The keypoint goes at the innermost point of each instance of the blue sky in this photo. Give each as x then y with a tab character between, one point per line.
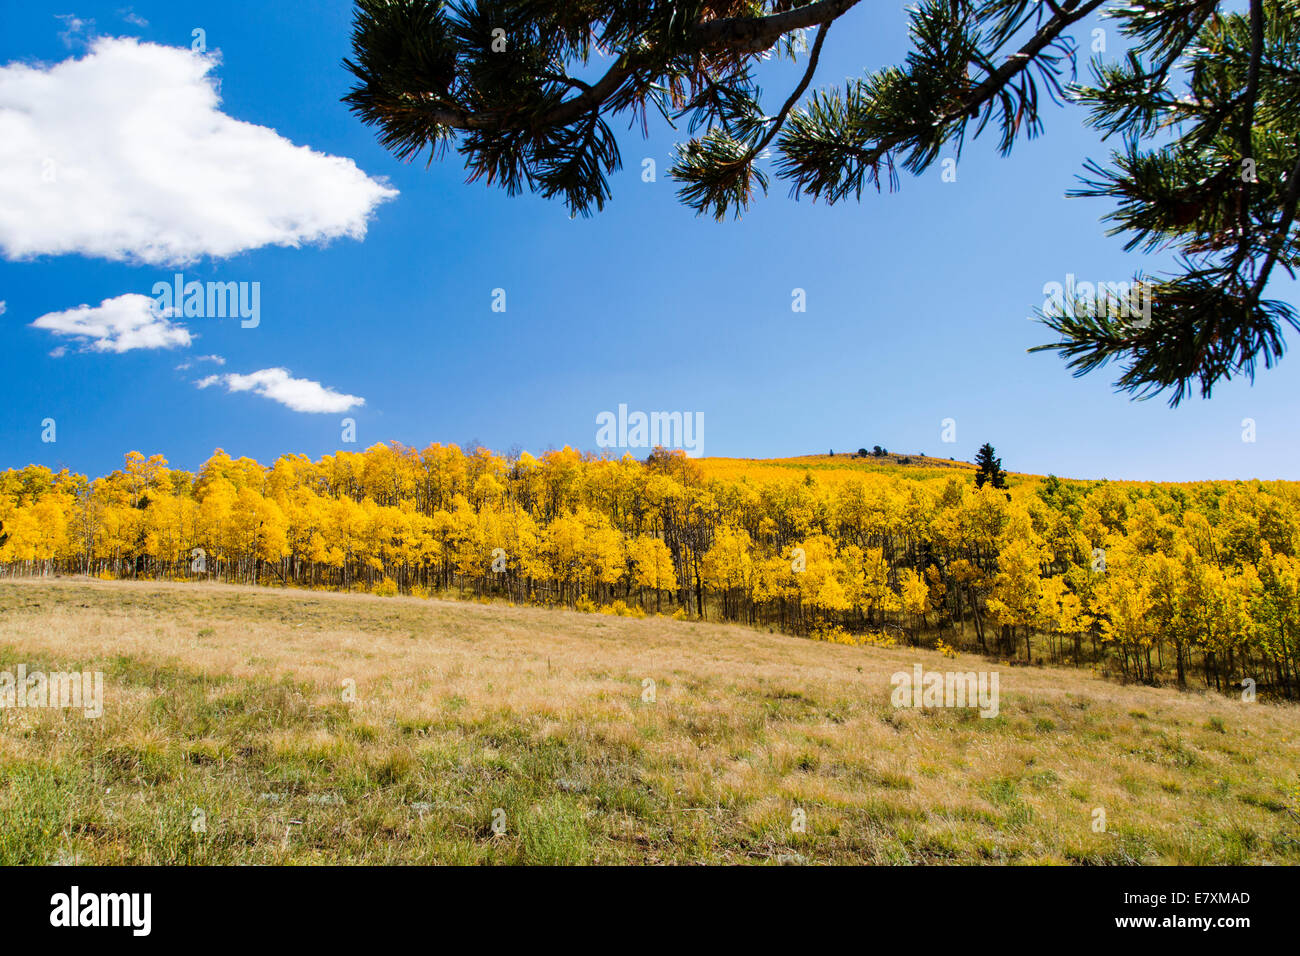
917	302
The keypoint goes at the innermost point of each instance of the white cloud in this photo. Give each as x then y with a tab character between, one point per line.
214	359
117	325
299	394
2	306
124	154
74	28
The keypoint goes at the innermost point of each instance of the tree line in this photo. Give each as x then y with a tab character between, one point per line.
1180	582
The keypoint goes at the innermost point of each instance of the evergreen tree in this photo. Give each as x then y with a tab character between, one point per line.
990	468
1202	97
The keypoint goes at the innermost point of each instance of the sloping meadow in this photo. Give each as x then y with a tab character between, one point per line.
251	725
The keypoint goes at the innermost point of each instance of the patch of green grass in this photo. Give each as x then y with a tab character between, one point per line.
1001	791
555	833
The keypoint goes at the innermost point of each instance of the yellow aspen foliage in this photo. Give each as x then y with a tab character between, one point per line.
1153	581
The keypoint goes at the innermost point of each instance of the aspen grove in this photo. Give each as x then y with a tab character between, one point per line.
1187	583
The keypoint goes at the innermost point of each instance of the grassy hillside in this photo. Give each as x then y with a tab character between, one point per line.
227	700
833	468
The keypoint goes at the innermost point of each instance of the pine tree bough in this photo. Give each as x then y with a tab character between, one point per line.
1205	102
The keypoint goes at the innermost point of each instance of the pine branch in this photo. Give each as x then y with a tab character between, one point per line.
717	171
756	34
799	91
1281	232
1244	232
734	34
1069	13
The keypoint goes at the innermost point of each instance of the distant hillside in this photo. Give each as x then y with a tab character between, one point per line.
840	465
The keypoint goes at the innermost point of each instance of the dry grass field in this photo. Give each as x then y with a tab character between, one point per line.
224	706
